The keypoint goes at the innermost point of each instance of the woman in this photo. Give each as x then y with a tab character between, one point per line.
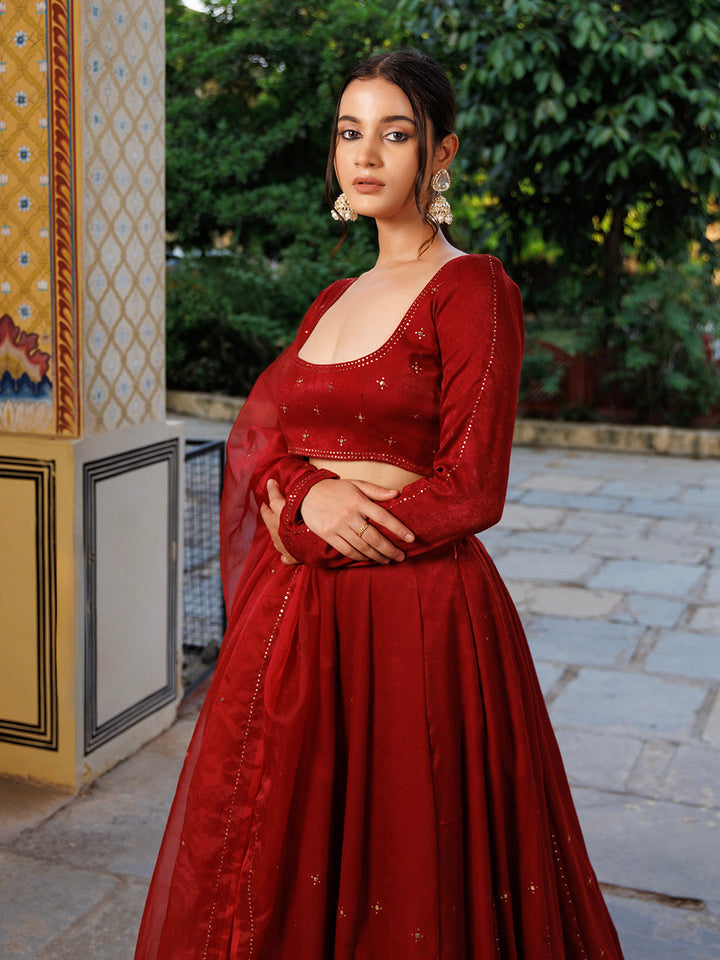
374	775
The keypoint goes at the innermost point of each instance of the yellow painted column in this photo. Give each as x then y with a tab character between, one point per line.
90	470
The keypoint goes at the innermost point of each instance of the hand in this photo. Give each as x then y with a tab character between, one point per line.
271	518
337	510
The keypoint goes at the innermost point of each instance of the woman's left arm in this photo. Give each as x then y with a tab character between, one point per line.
478	319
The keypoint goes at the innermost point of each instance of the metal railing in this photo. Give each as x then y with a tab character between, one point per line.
203	605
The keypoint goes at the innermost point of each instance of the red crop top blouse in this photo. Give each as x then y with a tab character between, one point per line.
384	406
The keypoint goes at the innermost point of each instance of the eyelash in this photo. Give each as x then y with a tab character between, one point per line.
400	134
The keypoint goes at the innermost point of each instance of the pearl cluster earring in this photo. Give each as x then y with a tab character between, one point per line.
342	210
439	208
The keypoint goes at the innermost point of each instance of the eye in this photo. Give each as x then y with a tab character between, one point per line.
398	136
349	134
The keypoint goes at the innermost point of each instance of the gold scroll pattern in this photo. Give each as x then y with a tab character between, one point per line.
123	240
65	314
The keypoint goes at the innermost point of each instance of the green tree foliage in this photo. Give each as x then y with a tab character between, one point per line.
251	89
595	123
590	133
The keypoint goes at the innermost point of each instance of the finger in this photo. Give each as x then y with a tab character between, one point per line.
378	515
372	543
378	547
374	490
275	497
344	547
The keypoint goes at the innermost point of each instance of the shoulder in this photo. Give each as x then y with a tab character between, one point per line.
319	305
478	284
328	296
478	270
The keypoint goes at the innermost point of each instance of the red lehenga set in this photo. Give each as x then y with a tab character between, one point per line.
374	775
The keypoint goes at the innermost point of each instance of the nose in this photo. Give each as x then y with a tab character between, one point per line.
366	157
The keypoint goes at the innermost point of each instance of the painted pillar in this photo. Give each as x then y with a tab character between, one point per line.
90	471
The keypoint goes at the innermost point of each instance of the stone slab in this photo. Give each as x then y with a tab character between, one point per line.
651	845
652	548
709	532
545	566
582	642
652	611
108	932
521	592
650	772
548	674
541	540
708	495
693	776
686	654
517	516
711	590
41	900
639	576
572	501
625	525
574	602
677	530
649	488
711	732
630	703
563	482
652	930
597	760
24	805
671	509
705	618
495	540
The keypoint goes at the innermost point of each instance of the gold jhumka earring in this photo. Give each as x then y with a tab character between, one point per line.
439	208
342	210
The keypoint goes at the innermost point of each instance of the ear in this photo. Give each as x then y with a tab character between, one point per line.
445	152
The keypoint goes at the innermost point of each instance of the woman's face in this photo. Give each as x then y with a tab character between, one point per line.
376	158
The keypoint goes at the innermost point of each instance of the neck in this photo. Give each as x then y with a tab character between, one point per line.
400	240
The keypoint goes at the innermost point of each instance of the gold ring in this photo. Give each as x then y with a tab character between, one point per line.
362	529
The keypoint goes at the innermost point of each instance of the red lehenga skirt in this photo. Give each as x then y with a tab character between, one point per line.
374	777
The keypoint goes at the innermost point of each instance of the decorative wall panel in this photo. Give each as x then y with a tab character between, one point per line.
130	603
38	356
123	151
28	682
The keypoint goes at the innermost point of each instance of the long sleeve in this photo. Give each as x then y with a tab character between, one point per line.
478	322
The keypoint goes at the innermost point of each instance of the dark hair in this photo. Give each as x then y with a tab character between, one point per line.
424	83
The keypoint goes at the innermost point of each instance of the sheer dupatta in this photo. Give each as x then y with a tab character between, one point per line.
256	453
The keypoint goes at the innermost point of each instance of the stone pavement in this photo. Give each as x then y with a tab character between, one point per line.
614	562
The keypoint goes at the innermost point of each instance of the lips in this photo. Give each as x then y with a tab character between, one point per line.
367	184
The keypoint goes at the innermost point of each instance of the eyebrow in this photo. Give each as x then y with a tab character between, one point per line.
393	119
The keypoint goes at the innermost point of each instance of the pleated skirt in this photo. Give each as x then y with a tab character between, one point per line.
374	777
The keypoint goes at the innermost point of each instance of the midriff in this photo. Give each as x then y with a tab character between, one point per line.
384	474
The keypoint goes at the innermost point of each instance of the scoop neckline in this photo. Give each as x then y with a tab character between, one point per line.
368	357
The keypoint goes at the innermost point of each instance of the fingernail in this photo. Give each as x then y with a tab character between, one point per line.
409	537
